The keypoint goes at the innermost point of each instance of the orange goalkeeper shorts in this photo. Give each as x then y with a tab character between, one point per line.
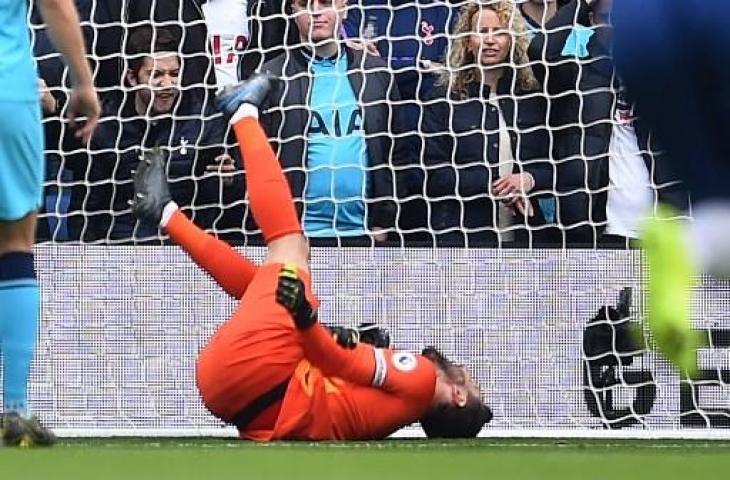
256	350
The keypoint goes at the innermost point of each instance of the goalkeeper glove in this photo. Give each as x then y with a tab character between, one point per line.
345	337
376	336
290	293
366	333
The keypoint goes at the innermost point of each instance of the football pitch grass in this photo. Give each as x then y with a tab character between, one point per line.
221	459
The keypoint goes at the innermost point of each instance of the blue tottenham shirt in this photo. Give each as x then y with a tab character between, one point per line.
336	155
18	79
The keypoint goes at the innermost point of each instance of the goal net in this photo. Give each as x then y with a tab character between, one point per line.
434	205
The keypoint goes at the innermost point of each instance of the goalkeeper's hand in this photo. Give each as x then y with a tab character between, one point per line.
373	335
366	333
151	191
345	337
290	293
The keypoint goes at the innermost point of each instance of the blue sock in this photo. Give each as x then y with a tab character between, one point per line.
19	310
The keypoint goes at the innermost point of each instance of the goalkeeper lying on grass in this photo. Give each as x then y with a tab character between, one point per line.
272	369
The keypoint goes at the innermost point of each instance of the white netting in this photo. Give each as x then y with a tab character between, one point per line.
420	167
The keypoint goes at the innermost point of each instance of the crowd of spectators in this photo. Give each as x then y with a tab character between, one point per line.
417	122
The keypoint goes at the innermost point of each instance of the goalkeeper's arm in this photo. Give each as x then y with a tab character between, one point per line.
361	365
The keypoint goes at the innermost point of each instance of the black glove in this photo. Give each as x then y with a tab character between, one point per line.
290	294
345	337
376	336
366	333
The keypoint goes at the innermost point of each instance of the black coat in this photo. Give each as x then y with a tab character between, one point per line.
288	116
461	161
582	123
193	142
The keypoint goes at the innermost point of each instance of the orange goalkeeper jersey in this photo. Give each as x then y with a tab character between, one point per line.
358	394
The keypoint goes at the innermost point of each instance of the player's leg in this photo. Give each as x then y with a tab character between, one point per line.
231	270
19	309
153	204
666	47
257	350
268	190
21	179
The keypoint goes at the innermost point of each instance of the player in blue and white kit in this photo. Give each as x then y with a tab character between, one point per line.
21	183
673	57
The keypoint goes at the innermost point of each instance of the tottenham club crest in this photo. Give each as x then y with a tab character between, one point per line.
184	146
404	361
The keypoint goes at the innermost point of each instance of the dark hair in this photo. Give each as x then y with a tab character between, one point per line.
452	421
146	40
452	370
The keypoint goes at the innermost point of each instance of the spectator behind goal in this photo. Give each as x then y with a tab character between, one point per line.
537	13
333	122
410	35
607	176
412	38
484	149
243	34
156	113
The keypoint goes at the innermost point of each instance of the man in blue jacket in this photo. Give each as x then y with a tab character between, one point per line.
336	124
410	36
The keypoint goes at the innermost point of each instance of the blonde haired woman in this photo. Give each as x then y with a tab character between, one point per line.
486	143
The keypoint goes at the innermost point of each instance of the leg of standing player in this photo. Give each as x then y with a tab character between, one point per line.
21	179
21	183
670	54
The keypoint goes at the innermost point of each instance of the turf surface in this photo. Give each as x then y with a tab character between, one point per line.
218	459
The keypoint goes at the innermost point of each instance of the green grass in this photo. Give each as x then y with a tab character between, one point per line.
218	459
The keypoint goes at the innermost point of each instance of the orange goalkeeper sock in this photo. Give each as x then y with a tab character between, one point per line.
268	190
232	271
